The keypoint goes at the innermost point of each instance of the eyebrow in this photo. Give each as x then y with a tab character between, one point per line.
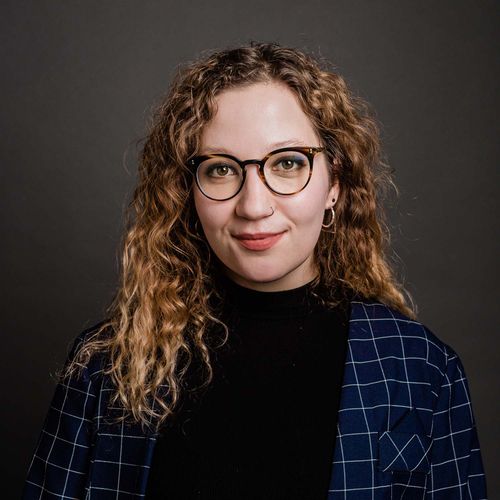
270	147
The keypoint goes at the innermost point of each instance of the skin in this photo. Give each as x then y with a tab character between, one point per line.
249	122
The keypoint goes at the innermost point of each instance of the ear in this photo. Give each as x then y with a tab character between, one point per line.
334	192
333	196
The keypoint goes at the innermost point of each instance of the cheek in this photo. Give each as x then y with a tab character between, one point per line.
213	217
304	218
309	224
310	208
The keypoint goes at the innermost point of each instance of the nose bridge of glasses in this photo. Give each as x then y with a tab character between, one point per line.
258	163
251	162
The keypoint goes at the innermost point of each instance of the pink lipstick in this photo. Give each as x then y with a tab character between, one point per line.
259	241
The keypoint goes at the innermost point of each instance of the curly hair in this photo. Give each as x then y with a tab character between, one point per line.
162	312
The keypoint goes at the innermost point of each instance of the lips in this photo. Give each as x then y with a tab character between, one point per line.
258	241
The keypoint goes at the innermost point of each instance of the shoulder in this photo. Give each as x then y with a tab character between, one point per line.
97	359
395	333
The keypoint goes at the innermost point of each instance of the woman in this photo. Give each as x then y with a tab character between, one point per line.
259	345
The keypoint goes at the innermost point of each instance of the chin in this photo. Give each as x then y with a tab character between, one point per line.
257	275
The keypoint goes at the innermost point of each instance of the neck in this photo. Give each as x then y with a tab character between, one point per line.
292	280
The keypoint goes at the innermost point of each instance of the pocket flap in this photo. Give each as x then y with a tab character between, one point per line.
404	451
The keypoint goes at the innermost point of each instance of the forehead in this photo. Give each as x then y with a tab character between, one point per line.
255	119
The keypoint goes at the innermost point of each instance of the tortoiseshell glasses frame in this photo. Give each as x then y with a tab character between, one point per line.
309	151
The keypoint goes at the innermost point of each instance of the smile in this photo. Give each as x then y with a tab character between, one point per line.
257	243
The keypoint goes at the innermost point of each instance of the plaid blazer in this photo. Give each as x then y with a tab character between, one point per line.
405	426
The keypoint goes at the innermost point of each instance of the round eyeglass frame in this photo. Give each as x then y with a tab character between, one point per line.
310	152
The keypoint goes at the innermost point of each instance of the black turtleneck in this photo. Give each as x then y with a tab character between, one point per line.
265	426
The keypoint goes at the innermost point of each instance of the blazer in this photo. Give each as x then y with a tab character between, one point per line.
405	427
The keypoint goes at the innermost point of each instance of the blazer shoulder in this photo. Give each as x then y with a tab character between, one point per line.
97	361
388	325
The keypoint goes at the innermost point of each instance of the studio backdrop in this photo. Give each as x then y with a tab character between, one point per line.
79	81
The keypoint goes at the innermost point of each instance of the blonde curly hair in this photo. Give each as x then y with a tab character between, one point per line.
162	314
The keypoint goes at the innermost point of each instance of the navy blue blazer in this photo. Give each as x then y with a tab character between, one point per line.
405	426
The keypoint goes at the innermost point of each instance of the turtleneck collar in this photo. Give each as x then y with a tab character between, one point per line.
255	303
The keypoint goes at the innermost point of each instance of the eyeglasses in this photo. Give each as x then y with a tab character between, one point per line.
284	171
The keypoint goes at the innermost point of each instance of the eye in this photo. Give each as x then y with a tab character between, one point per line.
221	170
289	163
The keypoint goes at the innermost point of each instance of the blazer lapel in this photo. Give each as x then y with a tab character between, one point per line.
355	445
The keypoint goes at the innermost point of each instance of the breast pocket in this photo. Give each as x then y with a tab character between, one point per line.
406	456
404	452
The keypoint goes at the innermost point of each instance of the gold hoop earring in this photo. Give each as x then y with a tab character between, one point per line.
332	220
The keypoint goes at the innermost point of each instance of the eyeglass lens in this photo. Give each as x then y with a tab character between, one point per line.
285	172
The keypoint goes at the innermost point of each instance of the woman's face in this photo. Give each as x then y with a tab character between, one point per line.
249	123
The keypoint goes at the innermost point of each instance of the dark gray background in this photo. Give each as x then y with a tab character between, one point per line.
79	79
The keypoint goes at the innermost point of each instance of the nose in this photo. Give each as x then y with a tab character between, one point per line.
254	199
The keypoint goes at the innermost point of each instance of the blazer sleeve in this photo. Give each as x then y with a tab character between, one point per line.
457	468
60	463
